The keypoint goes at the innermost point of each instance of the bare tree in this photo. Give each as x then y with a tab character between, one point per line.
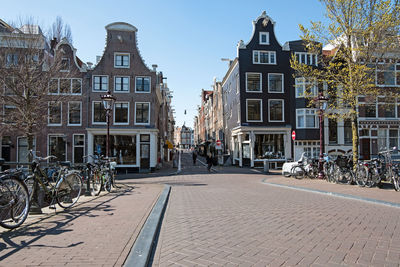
59	30
27	67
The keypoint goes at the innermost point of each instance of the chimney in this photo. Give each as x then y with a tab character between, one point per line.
154	67
90	64
98	58
53	43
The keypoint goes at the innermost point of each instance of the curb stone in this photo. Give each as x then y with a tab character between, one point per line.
365	199
141	250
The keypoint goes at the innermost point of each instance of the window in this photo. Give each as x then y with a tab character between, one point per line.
121	60
121	113
264	38
79	148
54	113
76	86
388	75
393	138
10	86
253	82
306	118
99	113
121	84
142	114
9	114
100	83
264	57
142	84
275	83
22	143
65	86
305	88
333	132
11	60
306	58
32	59
74	113
57	147
65	65
386	108
348	133
275	109
254	109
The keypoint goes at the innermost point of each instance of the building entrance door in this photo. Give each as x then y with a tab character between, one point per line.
144	156
365	148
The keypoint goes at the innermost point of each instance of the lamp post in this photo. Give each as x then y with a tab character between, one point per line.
108	102
322	104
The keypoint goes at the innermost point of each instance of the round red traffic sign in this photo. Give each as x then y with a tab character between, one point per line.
218	142
293	135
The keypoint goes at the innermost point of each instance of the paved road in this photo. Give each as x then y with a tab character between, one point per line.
227	219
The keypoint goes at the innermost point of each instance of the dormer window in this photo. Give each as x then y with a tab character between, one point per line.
306	58
121	60
264	38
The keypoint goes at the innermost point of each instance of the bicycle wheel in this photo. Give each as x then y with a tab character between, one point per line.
361	175
108	181
14	202
69	190
96	183
396	181
347	177
297	172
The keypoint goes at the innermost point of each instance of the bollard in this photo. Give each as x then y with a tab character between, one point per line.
266	166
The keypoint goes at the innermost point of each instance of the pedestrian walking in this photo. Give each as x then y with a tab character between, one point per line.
209	162
194	156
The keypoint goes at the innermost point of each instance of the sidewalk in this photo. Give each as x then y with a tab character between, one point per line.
97	231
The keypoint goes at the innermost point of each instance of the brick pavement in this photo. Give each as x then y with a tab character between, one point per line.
99	232
236	220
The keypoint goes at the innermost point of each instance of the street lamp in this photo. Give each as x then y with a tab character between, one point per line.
322	104
108	102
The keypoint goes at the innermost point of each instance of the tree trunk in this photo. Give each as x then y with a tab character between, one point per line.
354	129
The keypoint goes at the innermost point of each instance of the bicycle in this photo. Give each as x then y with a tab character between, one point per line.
14	198
101	173
63	186
304	168
343	170
328	167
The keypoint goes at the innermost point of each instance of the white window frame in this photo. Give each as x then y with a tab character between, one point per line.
80	80
283	110
80	113
141	123
304	83
267	38
122	54
115	84
73	146
58	87
48	145
283	83
114	109
4	113
304	115
269	57
299	54
93	122
247	109
143	92
48	114
237	84
108	83
396	73
247	91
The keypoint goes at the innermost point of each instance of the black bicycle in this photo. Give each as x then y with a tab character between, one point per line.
14	198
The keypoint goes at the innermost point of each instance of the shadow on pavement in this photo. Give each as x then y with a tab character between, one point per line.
35	231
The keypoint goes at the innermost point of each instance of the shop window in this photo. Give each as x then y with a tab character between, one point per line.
122	147
269	146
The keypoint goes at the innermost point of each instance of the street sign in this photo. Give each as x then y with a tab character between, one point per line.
293	135
218	144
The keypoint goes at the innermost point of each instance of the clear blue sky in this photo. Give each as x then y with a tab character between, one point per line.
185	38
